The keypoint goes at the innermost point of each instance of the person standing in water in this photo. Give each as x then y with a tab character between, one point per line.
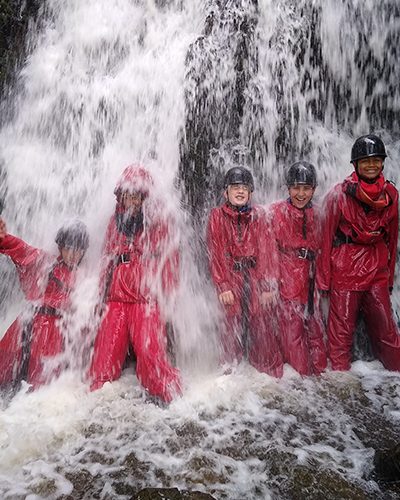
137	258
294	240
238	265
359	256
47	282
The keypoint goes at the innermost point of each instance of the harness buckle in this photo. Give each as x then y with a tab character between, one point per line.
124	258
303	253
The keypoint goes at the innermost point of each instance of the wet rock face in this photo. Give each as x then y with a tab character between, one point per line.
15	16
264	84
218	72
170	494
14	20
387	464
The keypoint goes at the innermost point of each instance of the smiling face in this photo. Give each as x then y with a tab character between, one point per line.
238	195
301	194
369	168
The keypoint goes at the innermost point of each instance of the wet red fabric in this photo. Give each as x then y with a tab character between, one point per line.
290	230
374	190
381	328
50	286
301	338
231	237
359	272
150	252
264	352
11	352
293	235
130	291
140	325
371	259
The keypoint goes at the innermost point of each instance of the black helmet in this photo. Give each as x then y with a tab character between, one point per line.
73	235
239	175
366	146
301	172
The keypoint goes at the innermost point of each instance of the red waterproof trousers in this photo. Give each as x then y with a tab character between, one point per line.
293	239
263	348
357	267
301	338
376	309
45	342
139	324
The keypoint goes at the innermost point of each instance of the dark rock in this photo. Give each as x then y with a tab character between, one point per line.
135	467
15	17
82	481
170	494
387	464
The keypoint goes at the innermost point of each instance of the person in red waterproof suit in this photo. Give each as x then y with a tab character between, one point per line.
238	266
138	262
294	241
359	256
35	337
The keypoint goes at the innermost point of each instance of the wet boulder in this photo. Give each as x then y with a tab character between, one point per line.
170	494
387	464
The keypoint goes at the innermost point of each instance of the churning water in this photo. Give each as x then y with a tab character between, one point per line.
185	86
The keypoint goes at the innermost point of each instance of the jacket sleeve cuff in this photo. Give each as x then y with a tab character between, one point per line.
224	287
6	242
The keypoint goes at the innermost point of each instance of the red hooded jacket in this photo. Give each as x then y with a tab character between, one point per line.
234	237
150	265
369	256
42	279
293	238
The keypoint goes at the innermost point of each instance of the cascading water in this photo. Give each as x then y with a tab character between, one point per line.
187	89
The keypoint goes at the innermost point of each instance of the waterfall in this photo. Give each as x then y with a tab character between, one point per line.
189	88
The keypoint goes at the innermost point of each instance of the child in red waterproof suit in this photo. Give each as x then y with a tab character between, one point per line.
238	265
359	256
35	337
294	240
138	262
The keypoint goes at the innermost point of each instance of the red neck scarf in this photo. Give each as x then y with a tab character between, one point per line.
372	194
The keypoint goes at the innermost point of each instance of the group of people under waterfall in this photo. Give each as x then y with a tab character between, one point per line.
271	267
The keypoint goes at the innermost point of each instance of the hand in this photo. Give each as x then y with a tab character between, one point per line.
3	229
269	299
227	298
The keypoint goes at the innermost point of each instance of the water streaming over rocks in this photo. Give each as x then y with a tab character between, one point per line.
188	88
